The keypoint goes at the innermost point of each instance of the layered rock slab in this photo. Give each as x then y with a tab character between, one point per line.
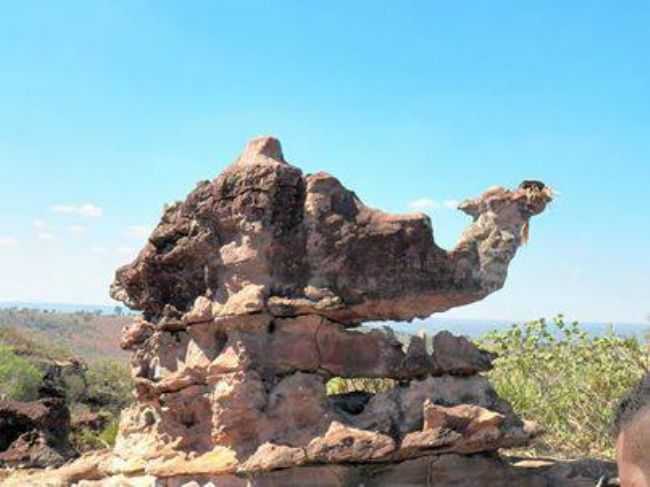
449	470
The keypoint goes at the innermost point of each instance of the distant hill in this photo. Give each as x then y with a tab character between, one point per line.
478	328
65	307
89	335
93	330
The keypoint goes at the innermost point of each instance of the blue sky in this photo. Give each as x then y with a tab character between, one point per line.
110	109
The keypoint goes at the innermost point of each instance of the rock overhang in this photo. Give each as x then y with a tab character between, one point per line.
264	237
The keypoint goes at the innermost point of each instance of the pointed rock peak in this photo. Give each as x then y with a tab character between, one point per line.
261	148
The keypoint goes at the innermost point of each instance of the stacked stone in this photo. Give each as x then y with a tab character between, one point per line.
251	290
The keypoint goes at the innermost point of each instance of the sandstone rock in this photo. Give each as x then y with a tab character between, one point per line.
344	444
135	334
447	470
34	434
249	289
263	234
458	356
270	456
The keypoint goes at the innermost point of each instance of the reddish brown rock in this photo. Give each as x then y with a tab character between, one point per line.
250	288
34	434
264	236
456	355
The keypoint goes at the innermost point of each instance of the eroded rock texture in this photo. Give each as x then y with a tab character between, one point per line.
263	237
250	289
34	434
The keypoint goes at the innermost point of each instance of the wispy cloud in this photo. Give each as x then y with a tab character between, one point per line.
85	209
77	229
138	231
8	241
98	250
38	223
46	236
424	204
428	204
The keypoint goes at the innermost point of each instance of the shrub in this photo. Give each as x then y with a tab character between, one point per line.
109	385
85	440
26	343
19	379
109	434
567	381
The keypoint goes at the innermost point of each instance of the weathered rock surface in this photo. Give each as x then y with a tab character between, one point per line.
249	290
447	470
264	237
34	434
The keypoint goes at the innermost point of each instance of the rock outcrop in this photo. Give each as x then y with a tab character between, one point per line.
250	290
34	434
264	238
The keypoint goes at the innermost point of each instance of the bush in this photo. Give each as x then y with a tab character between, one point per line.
26	343
109	434
109	385
19	379
86	440
567	381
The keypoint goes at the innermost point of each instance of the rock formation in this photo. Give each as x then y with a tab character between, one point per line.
34	434
250	291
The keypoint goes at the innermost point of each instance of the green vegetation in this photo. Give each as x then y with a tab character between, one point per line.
85	439
53	334
96	391
109	384
554	373
19	379
27	343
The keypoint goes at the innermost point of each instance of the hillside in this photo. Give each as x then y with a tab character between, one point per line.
91	336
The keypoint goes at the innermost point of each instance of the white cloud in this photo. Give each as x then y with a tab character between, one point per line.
138	231
77	229
427	204
45	236
85	209
8	241
38	223
451	204
423	204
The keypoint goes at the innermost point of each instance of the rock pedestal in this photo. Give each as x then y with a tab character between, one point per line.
250	291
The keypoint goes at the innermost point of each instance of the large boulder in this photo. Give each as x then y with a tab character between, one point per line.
34	434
